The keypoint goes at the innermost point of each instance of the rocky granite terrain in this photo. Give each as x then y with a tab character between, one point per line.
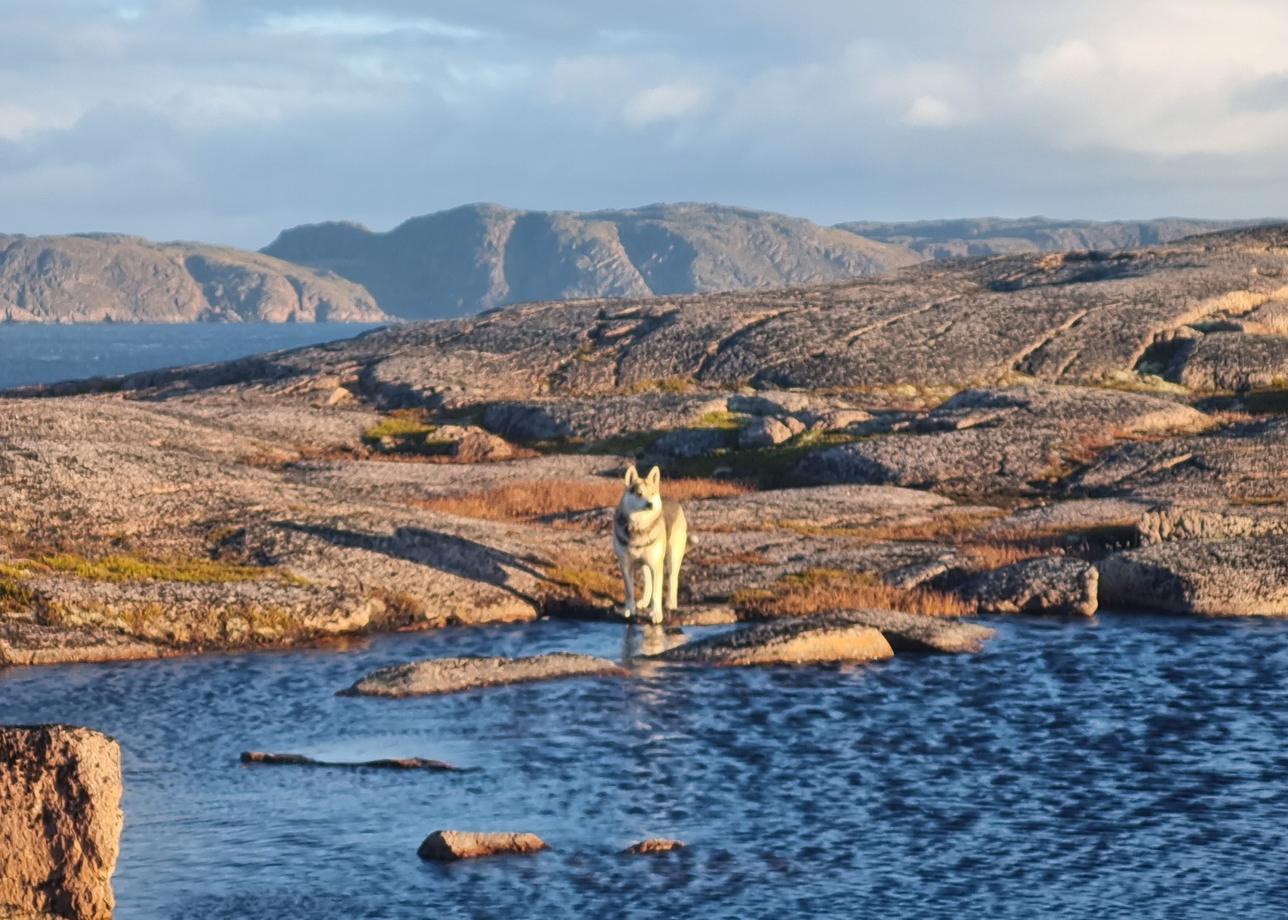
1038	434
111	278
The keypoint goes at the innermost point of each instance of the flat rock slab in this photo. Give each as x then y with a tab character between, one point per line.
60	820
1212	577
1212	519
654	845
1052	584
449	846
1233	361
299	760
452	675
808	640
915	632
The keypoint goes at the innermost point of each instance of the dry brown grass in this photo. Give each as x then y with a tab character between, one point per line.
585	585
818	590
994	554
527	501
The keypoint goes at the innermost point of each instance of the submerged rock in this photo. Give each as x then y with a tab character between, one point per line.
1217	578
60	820
449	846
1052	584
808	640
452	675
390	763
654	845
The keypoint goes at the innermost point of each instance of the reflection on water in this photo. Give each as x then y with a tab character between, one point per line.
1132	767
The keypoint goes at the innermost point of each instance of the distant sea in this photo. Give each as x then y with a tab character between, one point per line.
34	353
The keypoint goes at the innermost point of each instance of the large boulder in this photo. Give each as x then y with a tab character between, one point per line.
914	632
452	675
763	431
449	846
1050	584
1233	361
809	640
60	820
1211	521
1217	577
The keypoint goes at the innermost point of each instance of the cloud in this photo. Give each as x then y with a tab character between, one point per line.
228	120
930	112
340	24
664	102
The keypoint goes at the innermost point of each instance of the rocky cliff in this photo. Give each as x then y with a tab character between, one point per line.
110	278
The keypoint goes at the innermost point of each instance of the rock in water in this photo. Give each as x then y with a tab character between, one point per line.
915	632
386	763
451	675
1053	584
60	820
449	846
808	640
654	845
1216	578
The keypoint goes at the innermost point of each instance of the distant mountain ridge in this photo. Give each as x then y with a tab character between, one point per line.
115	278
484	255
989	236
474	257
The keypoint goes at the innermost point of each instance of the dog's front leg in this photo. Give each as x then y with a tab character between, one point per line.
628	577
654	569
646	589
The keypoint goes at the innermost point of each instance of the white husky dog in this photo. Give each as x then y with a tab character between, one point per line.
649	533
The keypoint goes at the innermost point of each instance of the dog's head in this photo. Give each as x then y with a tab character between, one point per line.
642	493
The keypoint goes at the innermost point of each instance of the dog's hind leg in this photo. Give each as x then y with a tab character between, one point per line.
677	539
674	559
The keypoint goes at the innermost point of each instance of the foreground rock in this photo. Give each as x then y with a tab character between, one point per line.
1216	578
449	846
1051	584
654	845
60	820
299	760
809	640
452	675
912	632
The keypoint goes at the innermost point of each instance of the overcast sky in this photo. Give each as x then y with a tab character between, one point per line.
227	120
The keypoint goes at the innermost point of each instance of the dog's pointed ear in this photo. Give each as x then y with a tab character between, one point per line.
632	475
654	477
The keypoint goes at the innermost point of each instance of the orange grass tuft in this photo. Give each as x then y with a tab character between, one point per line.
526	501
818	590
